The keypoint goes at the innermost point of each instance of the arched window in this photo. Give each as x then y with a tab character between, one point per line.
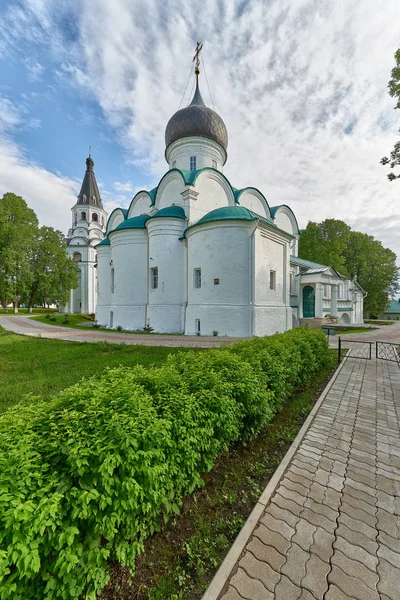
77	256
84	198
83	216
95	217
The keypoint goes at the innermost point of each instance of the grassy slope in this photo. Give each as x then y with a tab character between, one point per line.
47	366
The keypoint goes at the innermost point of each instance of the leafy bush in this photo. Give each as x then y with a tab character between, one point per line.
86	478
47	316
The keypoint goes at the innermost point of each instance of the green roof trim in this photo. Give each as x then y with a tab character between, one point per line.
307	264
133	223
234	213
105	242
394	307
175	212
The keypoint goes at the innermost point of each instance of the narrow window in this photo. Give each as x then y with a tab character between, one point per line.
83	216
77	256
84	198
102	221
154	278
197	326
272	280
214	164
112	281
95	217
174	164
192	163
197	278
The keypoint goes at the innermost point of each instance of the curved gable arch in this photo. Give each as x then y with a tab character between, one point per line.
140	204
117	216
211	177
254	200
170	188
285	219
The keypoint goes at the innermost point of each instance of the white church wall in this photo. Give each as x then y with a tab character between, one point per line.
272	312
213	192
167	254
141	204
207	152
222	303
104	285
129	293
254	201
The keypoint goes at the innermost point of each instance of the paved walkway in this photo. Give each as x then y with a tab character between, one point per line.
26	326
330	530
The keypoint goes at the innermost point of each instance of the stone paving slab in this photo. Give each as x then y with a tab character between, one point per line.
331	527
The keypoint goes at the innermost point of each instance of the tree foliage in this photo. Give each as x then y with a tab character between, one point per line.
18	227
34	265
394	91
354	254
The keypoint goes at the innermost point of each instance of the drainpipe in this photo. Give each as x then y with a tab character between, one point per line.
185	282
146	306
252	278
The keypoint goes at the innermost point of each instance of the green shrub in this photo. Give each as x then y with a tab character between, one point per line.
86	478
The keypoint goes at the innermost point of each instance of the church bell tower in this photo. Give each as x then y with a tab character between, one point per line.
88	229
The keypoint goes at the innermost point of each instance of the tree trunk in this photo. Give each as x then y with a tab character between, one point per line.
15	306
31	301
4	305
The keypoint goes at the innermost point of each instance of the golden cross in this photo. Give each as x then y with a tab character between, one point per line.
196	57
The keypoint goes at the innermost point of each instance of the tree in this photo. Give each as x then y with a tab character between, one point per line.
54	274
18	227
325	243
394	91
355	254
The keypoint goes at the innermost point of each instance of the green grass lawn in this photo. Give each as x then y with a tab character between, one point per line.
355	330
24	311
74	321
57	319
45	367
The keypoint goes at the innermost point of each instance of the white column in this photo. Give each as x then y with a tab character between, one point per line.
318	300
334	297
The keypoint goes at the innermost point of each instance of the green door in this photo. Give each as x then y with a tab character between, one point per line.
308	302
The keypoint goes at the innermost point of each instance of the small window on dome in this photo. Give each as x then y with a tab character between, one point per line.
192	163
83	216
174	164
95	217
84	198
214	164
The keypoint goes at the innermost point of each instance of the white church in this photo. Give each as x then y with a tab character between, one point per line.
196	255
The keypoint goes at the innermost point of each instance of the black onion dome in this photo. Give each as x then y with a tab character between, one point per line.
196	120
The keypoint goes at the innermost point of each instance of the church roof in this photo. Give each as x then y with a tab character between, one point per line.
89	193
394	307
235	213
177	212
196	120
308	267
133	223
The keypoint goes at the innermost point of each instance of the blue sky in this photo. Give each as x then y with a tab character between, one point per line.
301	85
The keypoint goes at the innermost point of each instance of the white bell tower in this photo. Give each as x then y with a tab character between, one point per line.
88	229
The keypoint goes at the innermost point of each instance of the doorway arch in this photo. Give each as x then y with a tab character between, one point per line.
308	302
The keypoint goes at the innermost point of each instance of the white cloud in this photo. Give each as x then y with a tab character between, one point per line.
301	85
123	187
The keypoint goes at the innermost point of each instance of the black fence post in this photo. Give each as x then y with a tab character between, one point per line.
376	349
339	349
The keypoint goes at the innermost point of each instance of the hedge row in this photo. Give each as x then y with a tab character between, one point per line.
86	478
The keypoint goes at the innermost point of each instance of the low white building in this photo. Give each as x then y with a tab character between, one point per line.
197	256
88	229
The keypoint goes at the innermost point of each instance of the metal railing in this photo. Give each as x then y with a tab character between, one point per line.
354	349
388	351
